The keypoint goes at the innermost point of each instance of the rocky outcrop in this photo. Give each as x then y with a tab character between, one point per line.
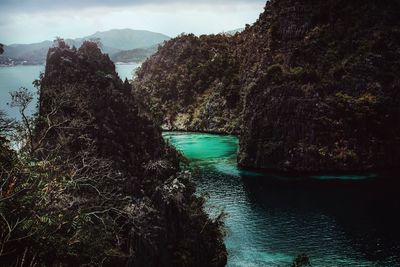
325	90
124	181
314	85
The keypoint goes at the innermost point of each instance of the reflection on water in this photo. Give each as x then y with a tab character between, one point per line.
337	221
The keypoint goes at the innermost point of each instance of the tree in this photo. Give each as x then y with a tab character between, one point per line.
97	41
28	136
1	49
21	99
60	42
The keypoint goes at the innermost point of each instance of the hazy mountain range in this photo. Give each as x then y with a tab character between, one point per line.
123	45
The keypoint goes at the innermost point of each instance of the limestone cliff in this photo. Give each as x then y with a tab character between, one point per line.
325	86
315	86
104	188
191	84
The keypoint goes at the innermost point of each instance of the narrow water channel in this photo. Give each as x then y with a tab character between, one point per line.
337	221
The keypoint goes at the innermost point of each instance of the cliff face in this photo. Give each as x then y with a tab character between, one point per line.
124	180
191	84
325	92
315	85
94	109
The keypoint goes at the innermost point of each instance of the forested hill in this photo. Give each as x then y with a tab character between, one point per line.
192	83
310	86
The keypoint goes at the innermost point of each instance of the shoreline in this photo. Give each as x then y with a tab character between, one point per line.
357	175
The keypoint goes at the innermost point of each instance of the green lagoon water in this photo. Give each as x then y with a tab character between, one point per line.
337	221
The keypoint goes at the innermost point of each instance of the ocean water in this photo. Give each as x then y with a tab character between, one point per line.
12	78
336	220
127	70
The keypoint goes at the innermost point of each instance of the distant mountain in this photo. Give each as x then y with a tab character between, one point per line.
127	39
32	53
134	55
142	43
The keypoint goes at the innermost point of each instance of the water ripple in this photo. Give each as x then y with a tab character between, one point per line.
273	219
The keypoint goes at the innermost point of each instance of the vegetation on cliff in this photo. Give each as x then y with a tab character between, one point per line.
94	182
191	83
312	86
325	96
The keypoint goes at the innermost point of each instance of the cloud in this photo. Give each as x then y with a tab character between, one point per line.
35	21
41	5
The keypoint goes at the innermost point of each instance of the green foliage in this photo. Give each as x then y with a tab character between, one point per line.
187	74
275	69
357	107
305	74
297	70
21	98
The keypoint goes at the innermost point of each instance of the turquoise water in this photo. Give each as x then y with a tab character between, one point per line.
12	78
337	221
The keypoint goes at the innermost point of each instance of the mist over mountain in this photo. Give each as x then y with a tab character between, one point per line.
113	42
127	39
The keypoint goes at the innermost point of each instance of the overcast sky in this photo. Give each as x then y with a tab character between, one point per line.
28	21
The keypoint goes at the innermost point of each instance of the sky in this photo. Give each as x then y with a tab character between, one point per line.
29	21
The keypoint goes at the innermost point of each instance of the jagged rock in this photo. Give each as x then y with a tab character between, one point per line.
94	113
334	104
